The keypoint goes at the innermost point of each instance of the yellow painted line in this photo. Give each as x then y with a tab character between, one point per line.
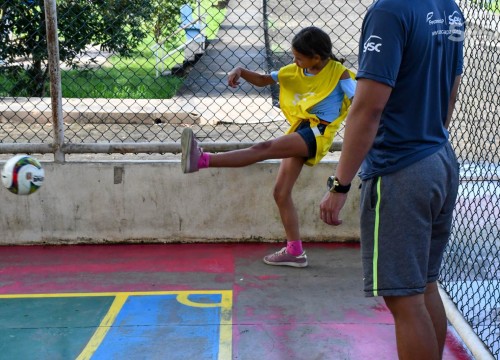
376	239
183	298
226	327
226	321
53	295
138	293
103	328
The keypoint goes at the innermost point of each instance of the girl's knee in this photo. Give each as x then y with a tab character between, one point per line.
262	146
281	195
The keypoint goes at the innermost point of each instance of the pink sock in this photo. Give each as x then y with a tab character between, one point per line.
203	161
294	247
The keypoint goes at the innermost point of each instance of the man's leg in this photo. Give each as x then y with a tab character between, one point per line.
415	333
435	307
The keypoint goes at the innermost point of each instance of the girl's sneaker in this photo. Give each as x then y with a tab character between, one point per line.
282	257
191	152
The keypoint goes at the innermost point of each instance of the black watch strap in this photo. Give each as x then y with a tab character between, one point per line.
334	186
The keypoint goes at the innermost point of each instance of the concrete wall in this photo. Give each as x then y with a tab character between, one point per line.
92	202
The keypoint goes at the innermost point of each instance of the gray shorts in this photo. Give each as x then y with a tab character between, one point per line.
405	224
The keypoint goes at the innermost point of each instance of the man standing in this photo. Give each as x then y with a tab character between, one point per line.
410	64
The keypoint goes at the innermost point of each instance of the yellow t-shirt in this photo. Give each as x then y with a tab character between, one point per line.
299	93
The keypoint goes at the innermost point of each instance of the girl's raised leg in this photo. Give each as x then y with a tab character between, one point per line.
193	158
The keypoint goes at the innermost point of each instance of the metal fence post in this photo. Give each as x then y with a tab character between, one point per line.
55	79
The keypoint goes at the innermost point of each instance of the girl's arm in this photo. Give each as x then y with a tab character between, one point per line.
252	77
345	75
348	85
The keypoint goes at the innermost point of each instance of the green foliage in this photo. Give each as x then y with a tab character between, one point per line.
118	83
165	18
128	29
491	5
116	25
495	6
213	18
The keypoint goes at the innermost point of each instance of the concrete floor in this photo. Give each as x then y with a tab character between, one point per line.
190	301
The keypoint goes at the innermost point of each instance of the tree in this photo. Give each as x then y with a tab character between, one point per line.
116	25
166	17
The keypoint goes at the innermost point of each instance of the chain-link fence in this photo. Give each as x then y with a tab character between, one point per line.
121	86
135	72
471	272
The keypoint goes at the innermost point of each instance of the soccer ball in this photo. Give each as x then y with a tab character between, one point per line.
22	175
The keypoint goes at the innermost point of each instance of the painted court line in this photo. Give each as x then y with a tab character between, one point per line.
223	348
103	328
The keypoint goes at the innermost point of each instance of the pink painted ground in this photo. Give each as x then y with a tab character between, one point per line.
111	268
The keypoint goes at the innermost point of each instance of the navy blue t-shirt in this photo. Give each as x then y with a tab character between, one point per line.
416	47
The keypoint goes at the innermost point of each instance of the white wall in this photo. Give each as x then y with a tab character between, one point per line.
92	202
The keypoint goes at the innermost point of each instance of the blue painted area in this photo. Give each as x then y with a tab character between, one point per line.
159	327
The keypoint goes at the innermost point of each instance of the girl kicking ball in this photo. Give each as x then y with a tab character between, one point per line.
315	94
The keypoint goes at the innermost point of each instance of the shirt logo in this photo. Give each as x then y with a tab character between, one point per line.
373	43
301	97
431	20
455	19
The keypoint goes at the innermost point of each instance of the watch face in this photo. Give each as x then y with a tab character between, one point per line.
334	186
330	182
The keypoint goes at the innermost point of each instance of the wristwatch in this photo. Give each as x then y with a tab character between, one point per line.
333	186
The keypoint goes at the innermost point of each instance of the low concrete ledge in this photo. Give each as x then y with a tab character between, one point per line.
98	111
189	110
95	202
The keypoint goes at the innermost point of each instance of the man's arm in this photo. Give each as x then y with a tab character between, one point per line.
453	99
361	128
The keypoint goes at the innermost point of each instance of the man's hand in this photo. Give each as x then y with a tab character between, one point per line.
330	207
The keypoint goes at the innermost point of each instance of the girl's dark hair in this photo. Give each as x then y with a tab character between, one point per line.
311	41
